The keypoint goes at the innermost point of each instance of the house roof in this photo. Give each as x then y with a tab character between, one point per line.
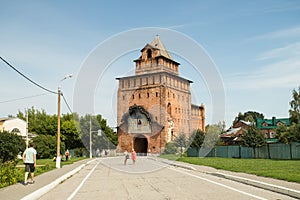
157	43
271	123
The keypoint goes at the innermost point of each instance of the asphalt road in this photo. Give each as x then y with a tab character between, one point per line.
109	178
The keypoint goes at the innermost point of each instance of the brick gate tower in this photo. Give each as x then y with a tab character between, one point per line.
154	105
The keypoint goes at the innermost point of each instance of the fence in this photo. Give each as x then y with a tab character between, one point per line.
269	151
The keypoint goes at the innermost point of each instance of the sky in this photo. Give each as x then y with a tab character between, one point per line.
254	45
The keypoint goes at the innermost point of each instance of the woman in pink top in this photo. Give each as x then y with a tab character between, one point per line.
133	156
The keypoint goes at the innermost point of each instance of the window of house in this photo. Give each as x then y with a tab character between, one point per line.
156	94
149	54
147	94
139	96
133	96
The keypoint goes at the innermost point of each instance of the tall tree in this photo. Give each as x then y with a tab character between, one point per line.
295	107
181	141
248	116
196	139
253	138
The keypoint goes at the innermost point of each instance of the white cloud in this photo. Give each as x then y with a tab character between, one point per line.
288	51
284	33
281	71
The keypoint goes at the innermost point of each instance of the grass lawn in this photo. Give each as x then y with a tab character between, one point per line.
280	169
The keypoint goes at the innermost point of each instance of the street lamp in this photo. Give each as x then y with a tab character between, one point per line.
99	134
58	122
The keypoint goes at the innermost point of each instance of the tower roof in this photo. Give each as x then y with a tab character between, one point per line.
156	43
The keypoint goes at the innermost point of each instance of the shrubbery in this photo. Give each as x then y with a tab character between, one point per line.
10	146
170	148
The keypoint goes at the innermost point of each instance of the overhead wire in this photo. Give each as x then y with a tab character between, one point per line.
12	100
66	102
27	77
23	75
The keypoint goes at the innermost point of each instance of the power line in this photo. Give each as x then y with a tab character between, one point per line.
66	103
27	77
12	100
53	92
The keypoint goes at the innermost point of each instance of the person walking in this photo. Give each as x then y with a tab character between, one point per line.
133	156
67	155
29	159
126	157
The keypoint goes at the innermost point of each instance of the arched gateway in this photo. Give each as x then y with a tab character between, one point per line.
140	144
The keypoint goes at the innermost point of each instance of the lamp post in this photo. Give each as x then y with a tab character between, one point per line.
58	123
99	134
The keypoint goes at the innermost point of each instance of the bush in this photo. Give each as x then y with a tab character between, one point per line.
10	146
9	174
170	148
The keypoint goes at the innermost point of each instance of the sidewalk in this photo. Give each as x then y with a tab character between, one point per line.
19	191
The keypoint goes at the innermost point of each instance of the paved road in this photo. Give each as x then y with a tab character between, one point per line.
109	178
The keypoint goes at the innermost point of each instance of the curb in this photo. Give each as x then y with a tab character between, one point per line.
267	186
178	165
40	192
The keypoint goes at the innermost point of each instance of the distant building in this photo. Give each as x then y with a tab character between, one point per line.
268	126
154	105
233	135
14	125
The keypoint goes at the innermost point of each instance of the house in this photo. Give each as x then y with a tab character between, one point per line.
233	135
14	125
268	126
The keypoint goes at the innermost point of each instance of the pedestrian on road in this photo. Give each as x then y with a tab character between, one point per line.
29	159
126	157
133	156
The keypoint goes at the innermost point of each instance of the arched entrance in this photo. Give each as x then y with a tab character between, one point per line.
140	144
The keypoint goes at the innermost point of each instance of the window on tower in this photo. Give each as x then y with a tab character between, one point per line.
149	54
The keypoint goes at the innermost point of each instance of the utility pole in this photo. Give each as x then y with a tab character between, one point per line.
58	130
58	158
91	137
26	111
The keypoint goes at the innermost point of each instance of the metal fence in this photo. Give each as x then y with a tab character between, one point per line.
270	151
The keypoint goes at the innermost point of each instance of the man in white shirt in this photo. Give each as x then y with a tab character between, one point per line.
29	159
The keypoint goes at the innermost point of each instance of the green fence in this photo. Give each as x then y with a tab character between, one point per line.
269	151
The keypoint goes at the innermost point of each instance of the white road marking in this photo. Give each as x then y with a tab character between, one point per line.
220	184
81	184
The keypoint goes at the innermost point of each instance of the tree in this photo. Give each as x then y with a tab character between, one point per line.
295	107
181	141
10	146
292	133
282	134
46	146
197	139
248	116
170	148
253	138
70	135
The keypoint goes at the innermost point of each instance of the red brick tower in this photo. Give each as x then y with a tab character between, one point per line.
154	106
